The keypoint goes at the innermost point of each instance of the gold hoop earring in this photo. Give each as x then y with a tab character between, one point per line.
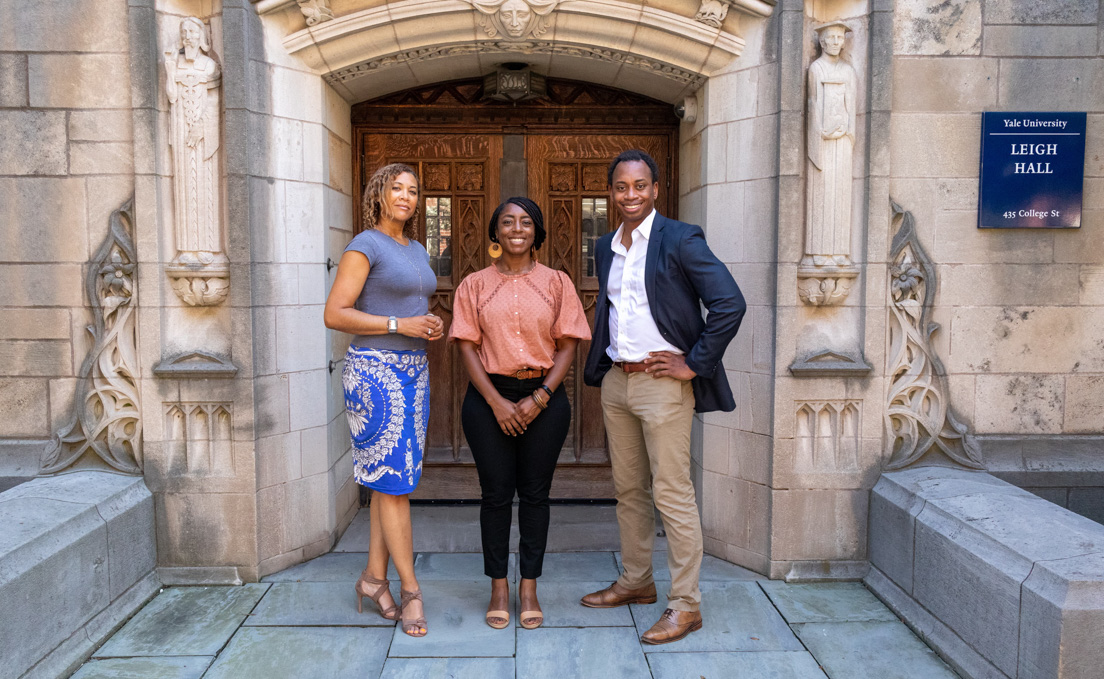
495	251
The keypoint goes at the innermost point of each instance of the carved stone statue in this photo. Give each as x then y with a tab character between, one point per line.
200	270
514	18
826	268
712	13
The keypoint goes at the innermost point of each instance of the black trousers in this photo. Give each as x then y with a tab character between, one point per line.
507	464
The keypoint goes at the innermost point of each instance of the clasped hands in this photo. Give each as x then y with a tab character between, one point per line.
514	418
429	327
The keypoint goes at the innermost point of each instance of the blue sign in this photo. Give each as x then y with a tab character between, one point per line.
1032	170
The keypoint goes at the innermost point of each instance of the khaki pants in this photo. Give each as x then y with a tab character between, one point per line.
648	424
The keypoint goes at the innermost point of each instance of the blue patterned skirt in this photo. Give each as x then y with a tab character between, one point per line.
387	405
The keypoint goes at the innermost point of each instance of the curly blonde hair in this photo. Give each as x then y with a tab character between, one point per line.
374	206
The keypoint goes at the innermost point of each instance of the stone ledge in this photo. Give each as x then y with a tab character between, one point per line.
77	558
1002	583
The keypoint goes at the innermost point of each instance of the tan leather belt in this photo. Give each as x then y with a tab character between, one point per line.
527	373
637	367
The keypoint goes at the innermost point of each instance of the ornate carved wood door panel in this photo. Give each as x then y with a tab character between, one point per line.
455	140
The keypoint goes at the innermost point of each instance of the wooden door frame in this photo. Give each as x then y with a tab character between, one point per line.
457	107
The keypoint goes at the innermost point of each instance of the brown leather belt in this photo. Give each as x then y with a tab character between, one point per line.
527	373
637	367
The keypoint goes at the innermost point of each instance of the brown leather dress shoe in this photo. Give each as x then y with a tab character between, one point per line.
672	626
615	595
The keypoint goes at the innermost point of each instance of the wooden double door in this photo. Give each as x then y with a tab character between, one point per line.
464	176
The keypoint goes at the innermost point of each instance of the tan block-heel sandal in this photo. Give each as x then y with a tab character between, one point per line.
382	587
417	626
531	619
501	615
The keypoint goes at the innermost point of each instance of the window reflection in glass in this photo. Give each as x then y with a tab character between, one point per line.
595	225
439	234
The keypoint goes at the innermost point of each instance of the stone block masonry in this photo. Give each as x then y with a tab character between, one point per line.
77	558
999	581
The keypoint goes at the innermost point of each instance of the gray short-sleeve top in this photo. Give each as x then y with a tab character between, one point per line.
399	284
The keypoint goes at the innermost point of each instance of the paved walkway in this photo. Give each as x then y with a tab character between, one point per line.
303	622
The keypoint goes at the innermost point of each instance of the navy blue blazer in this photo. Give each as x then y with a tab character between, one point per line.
687	273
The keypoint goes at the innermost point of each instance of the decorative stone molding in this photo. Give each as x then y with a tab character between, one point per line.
824	286
918	416
514	19
199	364
107	417
200	272
316	11
201	433
354	46
831	364
532	47
826	437
712	13
826	271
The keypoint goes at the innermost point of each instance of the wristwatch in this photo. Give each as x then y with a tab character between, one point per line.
392	325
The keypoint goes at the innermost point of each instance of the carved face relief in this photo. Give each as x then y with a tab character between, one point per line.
515	16
832	39
516	19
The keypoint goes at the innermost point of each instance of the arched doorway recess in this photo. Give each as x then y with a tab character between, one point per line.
471	152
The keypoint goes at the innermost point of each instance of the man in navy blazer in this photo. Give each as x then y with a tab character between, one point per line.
657	361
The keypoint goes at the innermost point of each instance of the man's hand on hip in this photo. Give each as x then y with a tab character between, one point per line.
668	364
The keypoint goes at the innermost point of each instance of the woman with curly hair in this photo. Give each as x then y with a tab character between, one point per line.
381	296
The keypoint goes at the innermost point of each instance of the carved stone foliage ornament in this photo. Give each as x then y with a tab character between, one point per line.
712	13
918	417
826	271
200	271
316	11
485	47
107	418
514	19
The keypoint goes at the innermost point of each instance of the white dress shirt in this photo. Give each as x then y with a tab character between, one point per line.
633	331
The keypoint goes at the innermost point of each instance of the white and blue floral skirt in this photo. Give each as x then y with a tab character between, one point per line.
387	404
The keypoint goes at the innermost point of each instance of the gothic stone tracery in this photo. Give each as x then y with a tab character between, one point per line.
106	424
918	417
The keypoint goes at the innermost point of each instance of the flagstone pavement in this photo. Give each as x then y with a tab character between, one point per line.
302	622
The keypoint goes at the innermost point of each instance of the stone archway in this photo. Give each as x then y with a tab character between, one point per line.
371	49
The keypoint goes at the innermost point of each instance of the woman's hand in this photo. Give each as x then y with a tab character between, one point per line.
527	410
428	327
506	412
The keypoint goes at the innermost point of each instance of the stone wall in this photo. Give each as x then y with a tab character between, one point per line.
1021	309
729	184
301	216
66	162
829	357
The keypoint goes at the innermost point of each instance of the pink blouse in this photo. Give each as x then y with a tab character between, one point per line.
516	320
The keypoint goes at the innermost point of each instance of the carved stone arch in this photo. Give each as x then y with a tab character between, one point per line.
371	49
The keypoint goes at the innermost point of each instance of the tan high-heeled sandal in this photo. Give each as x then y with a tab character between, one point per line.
412	627
531	619
382	586
504	616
